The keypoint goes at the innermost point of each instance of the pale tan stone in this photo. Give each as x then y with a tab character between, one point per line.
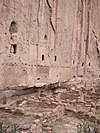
42	44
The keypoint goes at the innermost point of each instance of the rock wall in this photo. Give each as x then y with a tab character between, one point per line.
48	41
86	44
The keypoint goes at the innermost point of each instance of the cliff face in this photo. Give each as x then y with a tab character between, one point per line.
46	41
86	44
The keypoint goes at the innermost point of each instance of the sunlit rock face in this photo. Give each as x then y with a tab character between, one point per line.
48	41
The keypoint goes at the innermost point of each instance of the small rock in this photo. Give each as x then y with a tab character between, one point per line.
37	121
24	103
33	128
47	129
19	111
33	97
23	132
51	99
98	103
26	127
25	98
37	115
73	88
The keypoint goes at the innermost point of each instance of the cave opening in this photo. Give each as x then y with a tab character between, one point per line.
55	58
42	57
13	27
13	48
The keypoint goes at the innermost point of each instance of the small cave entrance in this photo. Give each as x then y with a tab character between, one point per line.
82	64
55	58
13	48
42	57
13	27
45	37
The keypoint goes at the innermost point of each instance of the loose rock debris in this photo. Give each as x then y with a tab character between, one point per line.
52	111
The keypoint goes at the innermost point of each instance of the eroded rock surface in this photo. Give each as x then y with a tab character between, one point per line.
48	41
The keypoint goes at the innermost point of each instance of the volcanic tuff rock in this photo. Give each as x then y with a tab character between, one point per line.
48	41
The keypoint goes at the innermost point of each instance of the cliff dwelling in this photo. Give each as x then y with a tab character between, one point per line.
55	37
49	65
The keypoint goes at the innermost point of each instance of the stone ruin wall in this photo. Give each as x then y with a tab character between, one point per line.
47	41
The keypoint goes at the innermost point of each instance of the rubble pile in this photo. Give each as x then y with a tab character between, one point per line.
46	108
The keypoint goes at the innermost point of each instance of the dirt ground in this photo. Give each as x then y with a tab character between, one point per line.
21	109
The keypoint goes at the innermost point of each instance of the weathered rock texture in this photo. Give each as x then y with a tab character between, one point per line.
46	41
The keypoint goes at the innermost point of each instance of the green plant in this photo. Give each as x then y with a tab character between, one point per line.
14	128
3	129
3	99
85	127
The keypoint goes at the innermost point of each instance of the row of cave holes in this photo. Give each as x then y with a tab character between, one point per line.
13	50
55	58
13	29
83	64
89	64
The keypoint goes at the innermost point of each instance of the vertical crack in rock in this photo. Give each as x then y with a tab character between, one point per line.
82	26
87	21
56	15
14	6
78	36
38	13
50	10
30	19
4	3
29	27
80	14
98	51
38	23
88	26
48	4
95	37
